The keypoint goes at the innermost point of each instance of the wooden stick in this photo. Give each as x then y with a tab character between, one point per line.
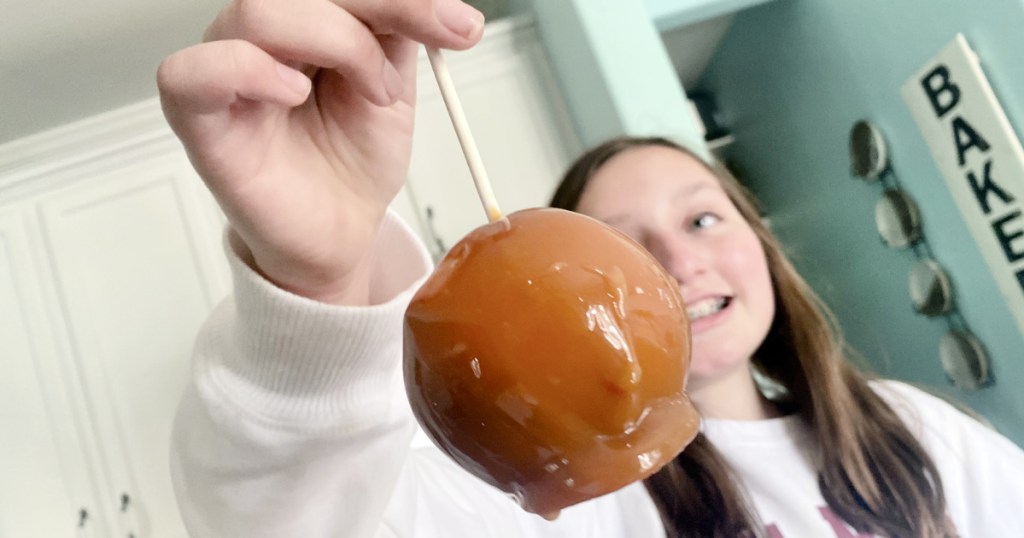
476	165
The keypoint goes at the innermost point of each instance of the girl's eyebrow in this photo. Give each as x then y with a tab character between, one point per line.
682	193
691	190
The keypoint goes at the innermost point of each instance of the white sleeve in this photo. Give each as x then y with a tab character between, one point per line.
982	471
296	423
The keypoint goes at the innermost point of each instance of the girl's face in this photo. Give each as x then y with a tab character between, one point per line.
673	206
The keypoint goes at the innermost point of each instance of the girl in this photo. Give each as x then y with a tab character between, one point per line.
844	450
297	114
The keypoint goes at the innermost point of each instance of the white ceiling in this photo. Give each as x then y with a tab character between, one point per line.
62	60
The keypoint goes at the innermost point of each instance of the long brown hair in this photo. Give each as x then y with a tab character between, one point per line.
875	474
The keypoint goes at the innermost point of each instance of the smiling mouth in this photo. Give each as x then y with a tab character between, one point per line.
706	308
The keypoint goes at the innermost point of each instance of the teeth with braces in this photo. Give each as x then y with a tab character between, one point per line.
706	308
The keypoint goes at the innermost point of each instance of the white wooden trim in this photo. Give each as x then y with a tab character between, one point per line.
116	136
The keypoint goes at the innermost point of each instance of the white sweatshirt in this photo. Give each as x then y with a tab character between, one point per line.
297	425
982	472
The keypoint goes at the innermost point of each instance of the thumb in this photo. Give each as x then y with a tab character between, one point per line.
464	22
447	24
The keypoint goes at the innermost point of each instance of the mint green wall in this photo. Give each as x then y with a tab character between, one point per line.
669	14
614	71
791	78
516	7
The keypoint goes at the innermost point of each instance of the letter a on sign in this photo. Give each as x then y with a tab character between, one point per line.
979	155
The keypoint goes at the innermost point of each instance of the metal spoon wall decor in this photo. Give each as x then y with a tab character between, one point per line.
962	355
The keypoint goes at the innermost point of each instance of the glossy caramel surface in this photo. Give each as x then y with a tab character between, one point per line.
547	355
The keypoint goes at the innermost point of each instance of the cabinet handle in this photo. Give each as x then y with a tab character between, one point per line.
129	516
84	530
432	235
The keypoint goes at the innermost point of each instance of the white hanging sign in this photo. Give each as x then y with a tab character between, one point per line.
980	156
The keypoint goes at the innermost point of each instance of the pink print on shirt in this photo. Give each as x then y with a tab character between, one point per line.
839	527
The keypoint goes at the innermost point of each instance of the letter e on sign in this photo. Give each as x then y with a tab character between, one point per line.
980	157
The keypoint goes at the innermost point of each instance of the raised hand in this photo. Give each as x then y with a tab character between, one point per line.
298	115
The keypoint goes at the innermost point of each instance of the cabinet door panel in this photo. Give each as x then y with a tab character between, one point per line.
43	473
136	266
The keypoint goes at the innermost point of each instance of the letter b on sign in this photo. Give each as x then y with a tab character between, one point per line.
942	92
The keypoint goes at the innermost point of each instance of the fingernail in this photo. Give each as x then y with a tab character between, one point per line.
393	83
461	18
295	80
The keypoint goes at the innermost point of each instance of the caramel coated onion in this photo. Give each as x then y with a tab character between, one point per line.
547	355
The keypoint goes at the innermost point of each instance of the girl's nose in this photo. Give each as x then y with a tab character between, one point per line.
682	258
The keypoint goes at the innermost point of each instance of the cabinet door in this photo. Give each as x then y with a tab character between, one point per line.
518	119
46	484
137	262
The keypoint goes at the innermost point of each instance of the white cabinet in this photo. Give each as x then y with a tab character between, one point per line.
135	267
110	260
45	479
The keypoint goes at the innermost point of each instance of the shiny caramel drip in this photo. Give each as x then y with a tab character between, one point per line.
547	355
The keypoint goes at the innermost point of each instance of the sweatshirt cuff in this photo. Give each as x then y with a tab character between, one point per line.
295	361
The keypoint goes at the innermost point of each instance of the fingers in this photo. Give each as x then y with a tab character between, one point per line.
402	52
213	76
343	35
252	43
317	33
448	24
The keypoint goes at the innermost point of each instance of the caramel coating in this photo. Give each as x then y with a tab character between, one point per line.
547	355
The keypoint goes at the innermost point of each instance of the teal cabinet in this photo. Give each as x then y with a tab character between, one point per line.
614	70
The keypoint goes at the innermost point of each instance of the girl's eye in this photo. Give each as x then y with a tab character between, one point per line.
705	220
